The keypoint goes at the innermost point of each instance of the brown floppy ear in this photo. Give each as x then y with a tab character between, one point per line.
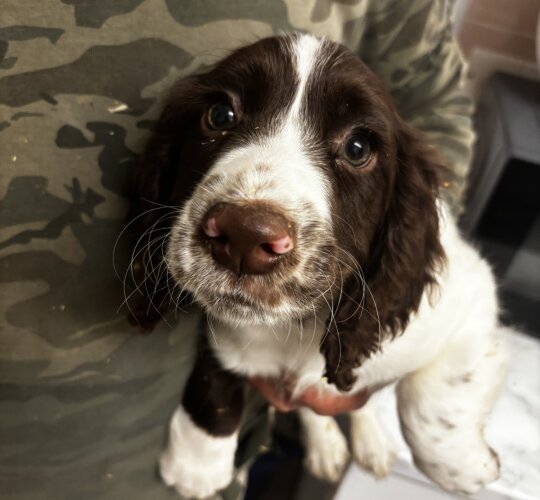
404	258
162	183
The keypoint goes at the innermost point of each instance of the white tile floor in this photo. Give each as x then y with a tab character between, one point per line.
358	484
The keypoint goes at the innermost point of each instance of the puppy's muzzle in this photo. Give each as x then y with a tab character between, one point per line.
250	238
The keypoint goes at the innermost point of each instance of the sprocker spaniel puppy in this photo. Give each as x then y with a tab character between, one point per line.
283	192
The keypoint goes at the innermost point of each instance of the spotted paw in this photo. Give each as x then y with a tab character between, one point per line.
468	473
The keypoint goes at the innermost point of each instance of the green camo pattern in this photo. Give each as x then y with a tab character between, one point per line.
84	402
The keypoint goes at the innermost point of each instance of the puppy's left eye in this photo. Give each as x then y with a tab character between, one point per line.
221	116
357	149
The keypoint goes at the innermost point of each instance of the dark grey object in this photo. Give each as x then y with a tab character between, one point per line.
503	205
508	125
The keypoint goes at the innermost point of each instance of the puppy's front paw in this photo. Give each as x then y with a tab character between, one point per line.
375	456
327	453
466	472
193	479
195	463
371	447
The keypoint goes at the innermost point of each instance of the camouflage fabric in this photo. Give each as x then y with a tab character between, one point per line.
85	402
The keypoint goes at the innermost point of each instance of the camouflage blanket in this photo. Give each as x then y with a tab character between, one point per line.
83	401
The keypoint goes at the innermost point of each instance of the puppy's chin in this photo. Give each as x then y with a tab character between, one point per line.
249	300
238	315
235	308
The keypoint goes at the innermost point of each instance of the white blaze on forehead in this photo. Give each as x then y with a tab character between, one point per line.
290	179
305	52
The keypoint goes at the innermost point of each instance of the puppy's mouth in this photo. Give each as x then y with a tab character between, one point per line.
244	297
288	292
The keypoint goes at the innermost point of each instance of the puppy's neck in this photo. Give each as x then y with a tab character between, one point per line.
269	350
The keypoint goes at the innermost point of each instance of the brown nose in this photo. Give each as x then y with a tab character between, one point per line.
247	239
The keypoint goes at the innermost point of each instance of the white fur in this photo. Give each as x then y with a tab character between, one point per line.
306	54
371	446
326	448
448	359
194	462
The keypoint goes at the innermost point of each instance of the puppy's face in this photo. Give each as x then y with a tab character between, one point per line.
293	176
290	131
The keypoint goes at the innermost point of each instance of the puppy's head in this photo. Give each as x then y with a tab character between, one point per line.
297	187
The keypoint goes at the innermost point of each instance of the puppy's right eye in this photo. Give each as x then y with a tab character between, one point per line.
357	150
221	116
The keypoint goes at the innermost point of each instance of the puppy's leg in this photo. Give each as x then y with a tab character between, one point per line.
371	447
443	408
326	448
203	433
